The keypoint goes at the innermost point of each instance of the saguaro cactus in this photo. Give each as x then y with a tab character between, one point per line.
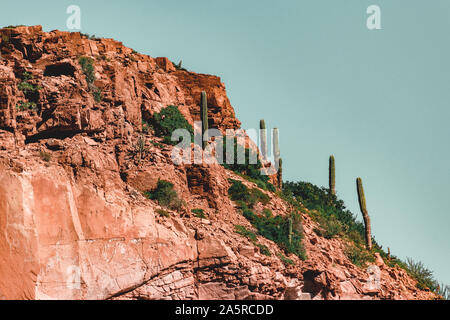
280	173
263	138
332	176
362	206
276	147
204	111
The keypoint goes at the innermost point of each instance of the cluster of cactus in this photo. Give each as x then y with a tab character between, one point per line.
361	200
204	112
276	149
362	206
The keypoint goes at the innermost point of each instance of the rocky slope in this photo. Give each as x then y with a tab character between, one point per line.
73	221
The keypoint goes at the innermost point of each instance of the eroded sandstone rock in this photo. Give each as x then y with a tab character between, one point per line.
73	221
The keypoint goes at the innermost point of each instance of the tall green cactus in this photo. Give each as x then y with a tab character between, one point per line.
280	173
204	111
263	138
276	154
362	206
332	176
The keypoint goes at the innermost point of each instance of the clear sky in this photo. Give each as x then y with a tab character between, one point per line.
376	99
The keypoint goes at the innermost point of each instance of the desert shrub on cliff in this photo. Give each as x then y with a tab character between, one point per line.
423	275
444	291
199	213
250	235
166	196
140	150
285	231
326	209
286	261
277	229
28	88
243	195
31	92
87	65
163	213
331	214
45	156
243	231
358	255
98	95
330	227
167	121
23	106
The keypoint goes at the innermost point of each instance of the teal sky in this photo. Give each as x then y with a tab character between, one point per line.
378	100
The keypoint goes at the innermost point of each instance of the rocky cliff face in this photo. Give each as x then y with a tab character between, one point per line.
73	221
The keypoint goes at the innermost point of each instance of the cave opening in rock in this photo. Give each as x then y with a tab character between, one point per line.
59	69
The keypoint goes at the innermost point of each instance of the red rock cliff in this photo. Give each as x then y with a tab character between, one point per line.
73	221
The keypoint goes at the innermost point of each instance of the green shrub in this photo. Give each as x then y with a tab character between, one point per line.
87	67
285	260
264	250
23	106
243	195
98	95
326	209
277	230
88	36
199	213
243	231
166	196
140	150
157	144
250	235
331	227
27	76
162	213
239	191
45	156
444	291
259	196
26	87
359	256
423	275
167	121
